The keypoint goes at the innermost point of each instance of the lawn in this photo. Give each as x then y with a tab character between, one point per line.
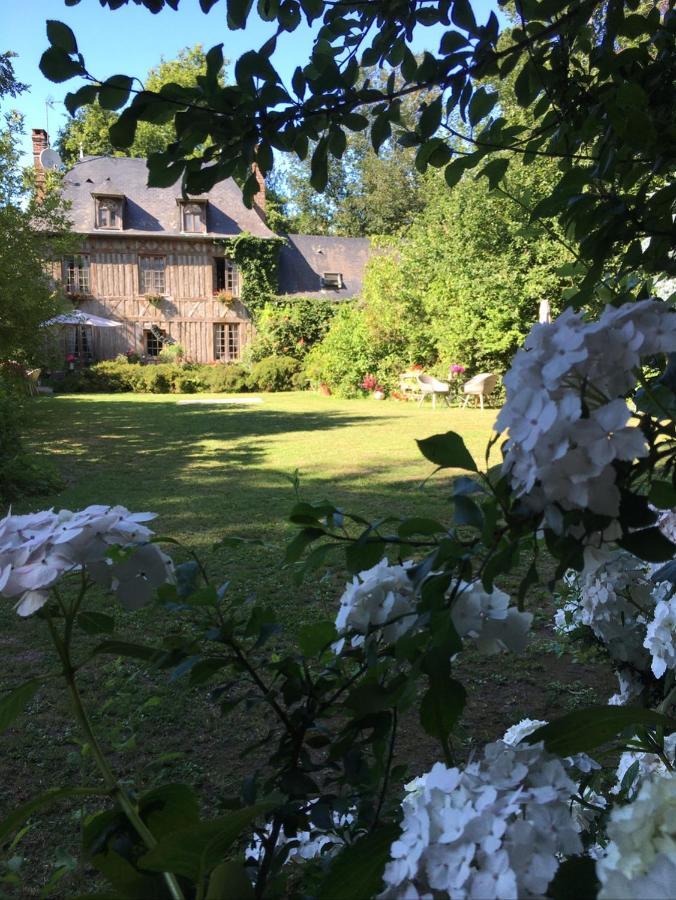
211	471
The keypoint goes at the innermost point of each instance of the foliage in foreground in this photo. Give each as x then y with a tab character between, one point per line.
535	813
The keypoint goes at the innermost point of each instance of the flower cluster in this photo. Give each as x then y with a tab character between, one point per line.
379	603
660	640
305	844
488	619
640	858
37	550
635	767
566	416
494	829
616	599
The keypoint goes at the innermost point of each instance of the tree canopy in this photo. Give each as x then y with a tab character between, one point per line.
596	76
88	130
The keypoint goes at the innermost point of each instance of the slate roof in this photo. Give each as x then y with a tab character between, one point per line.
306	257
151	212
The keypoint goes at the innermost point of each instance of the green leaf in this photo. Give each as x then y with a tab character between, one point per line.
319	170
316	637
466	512
162	175
357	871
123	132
463	17
238	12
86	94
662	495
648	544
114	92
452	41
229	881
14	703
96	623
364	554
56	65
480	105
430	118
442	706
168	808
425	527
61	36
494	171
380	131
575	879
296	547
448	451
193	852
586	729
133	651
19	815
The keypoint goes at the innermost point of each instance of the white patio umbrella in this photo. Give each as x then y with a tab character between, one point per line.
77	317
81	321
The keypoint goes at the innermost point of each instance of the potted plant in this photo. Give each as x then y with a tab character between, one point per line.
155	300
370	384
227	298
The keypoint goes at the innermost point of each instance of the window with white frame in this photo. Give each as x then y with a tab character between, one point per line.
152	270
333	280
76	274
109	212
226	276
194	217
227	341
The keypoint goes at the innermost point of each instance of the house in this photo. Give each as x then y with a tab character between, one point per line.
159	262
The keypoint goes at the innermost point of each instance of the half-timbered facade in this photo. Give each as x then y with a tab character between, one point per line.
157	261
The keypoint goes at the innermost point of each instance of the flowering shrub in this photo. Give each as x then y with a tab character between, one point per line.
532	814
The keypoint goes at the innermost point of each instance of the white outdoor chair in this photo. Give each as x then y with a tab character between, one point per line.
480	386
432	387
33	382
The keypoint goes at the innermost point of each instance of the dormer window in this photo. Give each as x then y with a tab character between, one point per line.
193	215
109	213
333	280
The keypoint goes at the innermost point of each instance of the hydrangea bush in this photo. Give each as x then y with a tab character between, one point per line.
584	804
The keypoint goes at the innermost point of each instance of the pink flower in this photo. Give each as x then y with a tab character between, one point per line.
458	370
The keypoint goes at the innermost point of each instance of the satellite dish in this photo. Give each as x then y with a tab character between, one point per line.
50	159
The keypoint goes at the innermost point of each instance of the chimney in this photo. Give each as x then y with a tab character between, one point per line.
259	198
40	143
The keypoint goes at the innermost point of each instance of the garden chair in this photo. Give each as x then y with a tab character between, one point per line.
409	386
432	387
480	386
32	382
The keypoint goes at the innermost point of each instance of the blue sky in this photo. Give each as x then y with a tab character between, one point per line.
131	40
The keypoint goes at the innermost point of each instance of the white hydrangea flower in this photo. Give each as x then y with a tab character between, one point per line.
660	640
487	618
559	451
640	859
306	844
516	733
647	765
379	602
36	550
494	829
615	597
631	687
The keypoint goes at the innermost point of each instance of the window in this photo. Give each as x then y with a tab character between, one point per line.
332	280
151	269
226	276
76	274
153	342
80	343
109	213
226	341
193	217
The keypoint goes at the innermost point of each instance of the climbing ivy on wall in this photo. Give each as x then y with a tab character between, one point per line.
257	259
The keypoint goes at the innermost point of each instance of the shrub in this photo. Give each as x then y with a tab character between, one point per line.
345	355
171	353
157	379
227	378
189	383
274	373
290	328
20	473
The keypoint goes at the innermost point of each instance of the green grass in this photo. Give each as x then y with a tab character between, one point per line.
208	472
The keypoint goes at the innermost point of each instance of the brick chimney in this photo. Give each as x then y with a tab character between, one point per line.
40	143
259	198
